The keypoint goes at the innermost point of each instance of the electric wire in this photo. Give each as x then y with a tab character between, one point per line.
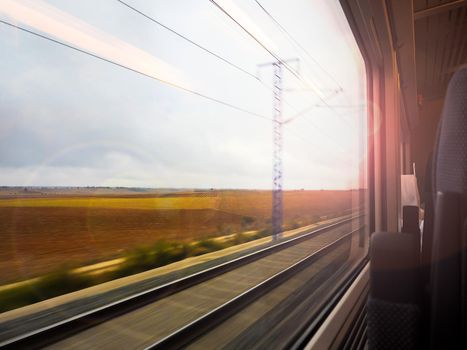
201	47
273	54
171	84
309	108
166	82
297	44
173	31
152	19
153	77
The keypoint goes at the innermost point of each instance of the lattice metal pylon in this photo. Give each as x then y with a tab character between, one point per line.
277	171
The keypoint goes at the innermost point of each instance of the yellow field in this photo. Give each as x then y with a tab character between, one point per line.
116	203
39	234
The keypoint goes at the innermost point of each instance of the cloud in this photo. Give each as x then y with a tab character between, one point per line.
68	119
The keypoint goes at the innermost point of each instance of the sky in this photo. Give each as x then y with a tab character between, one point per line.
69	119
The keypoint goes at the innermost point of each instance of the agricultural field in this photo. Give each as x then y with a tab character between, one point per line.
43	230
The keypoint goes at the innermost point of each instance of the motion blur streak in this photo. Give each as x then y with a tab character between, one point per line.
65	27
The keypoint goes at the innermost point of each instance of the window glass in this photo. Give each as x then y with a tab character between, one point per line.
144	141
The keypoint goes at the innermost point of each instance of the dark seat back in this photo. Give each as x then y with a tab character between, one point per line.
449	269
418	295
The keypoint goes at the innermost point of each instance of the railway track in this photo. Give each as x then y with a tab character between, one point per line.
180	310
200	326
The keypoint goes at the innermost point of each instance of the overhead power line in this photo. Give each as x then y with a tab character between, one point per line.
166	82
273	54
201	47
297	44
152	19
309	108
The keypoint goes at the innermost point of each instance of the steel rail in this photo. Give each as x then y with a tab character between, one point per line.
60	330
185	335
304	334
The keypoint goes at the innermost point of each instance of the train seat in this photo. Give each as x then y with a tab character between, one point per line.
448	289
406	309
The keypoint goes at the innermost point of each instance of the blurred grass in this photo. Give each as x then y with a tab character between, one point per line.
63	280
58	282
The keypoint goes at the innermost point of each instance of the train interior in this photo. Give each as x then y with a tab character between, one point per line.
416	54
391	273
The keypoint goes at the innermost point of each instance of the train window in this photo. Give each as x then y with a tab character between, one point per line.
181	174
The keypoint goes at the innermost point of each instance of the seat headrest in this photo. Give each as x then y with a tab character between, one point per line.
450	167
